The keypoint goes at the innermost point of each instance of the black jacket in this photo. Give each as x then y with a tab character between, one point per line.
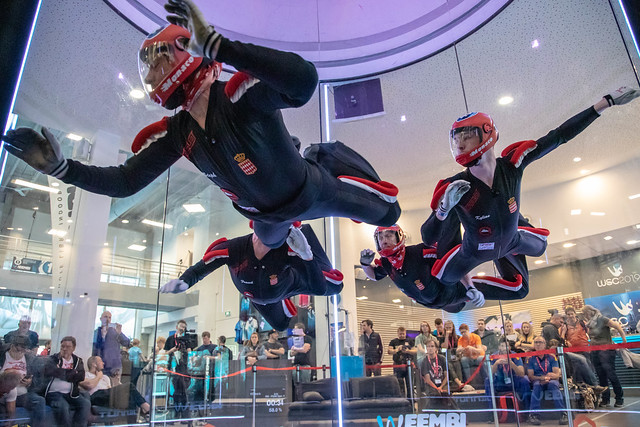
53	369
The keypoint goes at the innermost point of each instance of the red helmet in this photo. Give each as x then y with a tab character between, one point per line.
399	235
479	124
165	64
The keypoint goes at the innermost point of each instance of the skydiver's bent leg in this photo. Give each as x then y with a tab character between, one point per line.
277	314
514	283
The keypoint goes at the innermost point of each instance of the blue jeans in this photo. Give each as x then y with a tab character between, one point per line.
539	390
61	404
521	385
35	404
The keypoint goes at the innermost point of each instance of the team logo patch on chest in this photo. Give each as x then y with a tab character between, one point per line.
188	145
248	294
245	164
485	231
419	285
513	205
273	279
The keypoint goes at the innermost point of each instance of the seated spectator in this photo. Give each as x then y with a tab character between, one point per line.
104	393
46	351
64	372
272	347
16	358
23	330
544	374
449	341
488	337
107	339
508	374
434	373
524	342
252	350
439	331
470	351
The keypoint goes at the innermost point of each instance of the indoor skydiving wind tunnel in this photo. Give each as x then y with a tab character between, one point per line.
168	306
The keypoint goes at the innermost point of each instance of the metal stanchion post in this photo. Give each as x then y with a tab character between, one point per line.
563	372
410	391
253	397
298	373
324	371
487	359
206	385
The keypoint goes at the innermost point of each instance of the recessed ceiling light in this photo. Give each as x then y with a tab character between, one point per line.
55	184
68	240
193	207
125	221
159	242
52	287
584	171
58	233
535	44
69	221
9	228
568	245
634	196
505	100
481	273
68	302
3	287
597	213
362	298
137	248
397	300
401	306
632	242
35	186
40	295
577	159
74	137
19	228
608	237
144	241
156	224
403	118
637	226
136	94
539	261
106	244
186	234
81	296
576	211
217	234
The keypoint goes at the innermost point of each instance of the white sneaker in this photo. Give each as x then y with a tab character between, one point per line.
298	243
468	387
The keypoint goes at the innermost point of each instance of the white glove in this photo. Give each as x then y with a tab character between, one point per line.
41	152
475	297
451	197
203	36
621	96
366	257
298	243
174	286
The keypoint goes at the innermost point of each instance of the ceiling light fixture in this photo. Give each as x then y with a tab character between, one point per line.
608	237
584	171
401	306
539	261
568	245
125	221
634	196
40	295
576	211
106	244
74	137
362	298
535	44
156	224
598	214
397	300
403	118
577	159
55	184
193	207
505	100
35	186
632	242
136	94
137	248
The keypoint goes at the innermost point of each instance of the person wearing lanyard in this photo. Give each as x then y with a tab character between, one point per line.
544	373
508	375
434	372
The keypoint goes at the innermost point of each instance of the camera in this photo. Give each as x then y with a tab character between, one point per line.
188	340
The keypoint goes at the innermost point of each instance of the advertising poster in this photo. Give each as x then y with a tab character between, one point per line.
625	307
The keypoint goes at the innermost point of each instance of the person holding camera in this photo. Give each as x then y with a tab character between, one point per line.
177	347
107	339
403	350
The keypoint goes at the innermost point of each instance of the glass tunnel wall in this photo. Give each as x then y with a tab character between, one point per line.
88	266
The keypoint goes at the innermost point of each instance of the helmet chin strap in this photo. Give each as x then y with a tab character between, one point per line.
202	80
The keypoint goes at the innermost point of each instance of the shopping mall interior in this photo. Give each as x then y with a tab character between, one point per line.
82	271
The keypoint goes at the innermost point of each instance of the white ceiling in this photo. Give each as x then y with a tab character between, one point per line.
80	47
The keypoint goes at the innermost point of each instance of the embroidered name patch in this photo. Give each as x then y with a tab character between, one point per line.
486	246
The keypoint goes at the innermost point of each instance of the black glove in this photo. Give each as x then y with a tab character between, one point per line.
203	36
41	152
366	257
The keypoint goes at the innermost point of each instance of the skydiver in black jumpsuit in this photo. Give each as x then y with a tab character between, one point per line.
232	132
268	277
485	197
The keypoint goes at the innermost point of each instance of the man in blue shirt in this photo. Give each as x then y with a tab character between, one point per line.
544	373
